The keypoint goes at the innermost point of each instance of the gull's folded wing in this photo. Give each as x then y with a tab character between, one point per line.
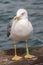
9	28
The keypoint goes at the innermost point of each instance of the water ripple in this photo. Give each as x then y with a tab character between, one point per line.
8	9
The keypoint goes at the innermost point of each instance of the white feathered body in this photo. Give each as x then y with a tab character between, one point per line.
21	30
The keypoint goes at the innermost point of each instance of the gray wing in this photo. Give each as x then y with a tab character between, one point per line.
9	28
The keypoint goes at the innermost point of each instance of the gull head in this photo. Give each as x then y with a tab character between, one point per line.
21	14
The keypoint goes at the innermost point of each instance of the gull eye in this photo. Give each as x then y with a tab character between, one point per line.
22	13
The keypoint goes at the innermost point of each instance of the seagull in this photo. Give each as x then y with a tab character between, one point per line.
20	29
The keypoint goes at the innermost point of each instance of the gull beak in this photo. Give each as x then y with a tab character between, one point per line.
16	17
